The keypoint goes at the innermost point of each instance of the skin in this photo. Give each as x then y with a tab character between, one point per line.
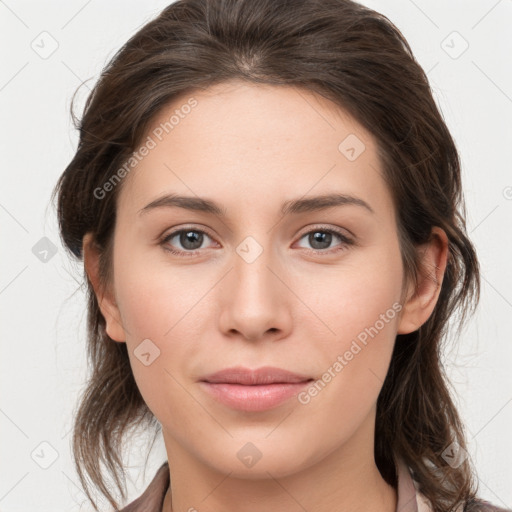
250	148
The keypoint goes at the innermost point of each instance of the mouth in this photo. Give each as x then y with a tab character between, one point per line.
254	390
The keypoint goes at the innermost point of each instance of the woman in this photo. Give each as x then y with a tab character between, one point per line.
268	204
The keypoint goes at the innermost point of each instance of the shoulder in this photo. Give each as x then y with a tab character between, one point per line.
480	505
474	505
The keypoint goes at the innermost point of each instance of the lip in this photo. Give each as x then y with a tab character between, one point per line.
248	377
254	390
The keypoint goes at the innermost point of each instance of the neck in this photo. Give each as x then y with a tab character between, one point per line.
347	479
374	495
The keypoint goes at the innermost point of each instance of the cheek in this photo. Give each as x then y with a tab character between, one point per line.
158	339
359	308
353	297
362	311
155	299
160	307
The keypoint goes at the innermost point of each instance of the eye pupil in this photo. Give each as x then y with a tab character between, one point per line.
186	236
321	237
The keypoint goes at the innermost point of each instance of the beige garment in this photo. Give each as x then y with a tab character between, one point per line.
409	498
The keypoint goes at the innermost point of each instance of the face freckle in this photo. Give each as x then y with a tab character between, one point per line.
256	293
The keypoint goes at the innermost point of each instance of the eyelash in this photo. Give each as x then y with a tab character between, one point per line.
342	247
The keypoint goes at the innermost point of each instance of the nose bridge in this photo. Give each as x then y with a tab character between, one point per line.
254	259
254	302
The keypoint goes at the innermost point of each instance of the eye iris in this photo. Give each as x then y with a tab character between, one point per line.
321	237
186	236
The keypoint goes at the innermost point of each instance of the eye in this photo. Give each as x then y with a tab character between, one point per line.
321	238
190	239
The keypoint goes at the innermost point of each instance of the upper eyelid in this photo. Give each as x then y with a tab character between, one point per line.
336	230
174	232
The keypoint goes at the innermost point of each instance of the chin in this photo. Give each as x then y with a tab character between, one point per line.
256	460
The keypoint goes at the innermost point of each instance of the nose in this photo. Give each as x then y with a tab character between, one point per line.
254	299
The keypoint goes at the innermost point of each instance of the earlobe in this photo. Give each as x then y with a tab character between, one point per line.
105	298
421	302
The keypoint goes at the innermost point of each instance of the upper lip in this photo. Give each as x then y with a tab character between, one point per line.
259	376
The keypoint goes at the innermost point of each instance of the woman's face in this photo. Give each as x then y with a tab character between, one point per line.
315	290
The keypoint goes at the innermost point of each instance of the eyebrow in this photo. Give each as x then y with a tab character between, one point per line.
293	206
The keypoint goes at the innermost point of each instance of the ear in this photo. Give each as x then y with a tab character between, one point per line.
105	298
422	300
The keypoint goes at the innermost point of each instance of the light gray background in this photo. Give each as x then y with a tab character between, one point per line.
43	364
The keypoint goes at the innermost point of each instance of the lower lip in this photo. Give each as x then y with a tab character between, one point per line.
253	398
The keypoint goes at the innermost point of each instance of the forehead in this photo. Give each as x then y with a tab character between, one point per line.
257	112
238	138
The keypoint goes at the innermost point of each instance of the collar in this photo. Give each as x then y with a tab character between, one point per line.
409	497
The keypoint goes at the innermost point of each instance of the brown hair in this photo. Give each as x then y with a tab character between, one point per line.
355	57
